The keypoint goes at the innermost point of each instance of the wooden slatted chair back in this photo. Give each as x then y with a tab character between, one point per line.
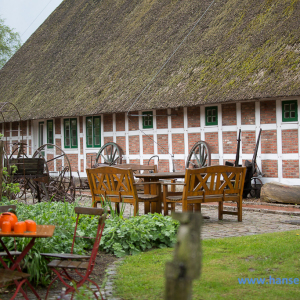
114	184
111	182
5	208
139	169
214	180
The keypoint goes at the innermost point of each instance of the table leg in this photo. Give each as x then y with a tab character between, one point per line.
146	191
15	265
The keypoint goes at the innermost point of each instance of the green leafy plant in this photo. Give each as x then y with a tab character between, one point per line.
120	236
137	234
9	188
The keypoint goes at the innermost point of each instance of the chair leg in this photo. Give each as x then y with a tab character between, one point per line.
184	205
117	207
166	208
240	211
198	207
221	210
19	289
172	206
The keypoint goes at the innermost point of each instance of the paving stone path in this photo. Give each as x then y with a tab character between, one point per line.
256	220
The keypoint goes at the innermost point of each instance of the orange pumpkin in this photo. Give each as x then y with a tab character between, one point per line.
30	225
10	217
20	227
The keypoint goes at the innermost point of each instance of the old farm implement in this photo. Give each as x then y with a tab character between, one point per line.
253	182
43	174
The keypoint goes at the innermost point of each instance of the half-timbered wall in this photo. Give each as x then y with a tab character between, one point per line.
173	136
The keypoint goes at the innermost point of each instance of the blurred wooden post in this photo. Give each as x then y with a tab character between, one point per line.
1	166
186	265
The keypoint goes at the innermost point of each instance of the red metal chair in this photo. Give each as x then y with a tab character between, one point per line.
77	263
8	277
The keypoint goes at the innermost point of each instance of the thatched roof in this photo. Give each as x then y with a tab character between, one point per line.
96	56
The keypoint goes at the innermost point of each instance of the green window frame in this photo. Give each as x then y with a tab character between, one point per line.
147	119
50	133
211	115
290	111
70	133
93	132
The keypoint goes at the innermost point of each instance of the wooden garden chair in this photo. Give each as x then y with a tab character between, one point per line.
117	185
209	184
139	169
82	265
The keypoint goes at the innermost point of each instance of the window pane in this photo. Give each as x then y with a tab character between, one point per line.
209	112
97	132
213	119
50	132
67	142
293	106
90	141
208	119
89	122
286	114
89	132
97	141
293	114
74	133
97	122
74	141
213	112
286	107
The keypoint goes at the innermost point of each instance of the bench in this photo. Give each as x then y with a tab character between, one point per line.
209	184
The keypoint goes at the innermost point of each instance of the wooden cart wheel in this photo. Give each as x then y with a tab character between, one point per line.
199	156
60	173
109	154
256	185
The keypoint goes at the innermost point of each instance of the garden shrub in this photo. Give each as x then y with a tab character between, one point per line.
120	236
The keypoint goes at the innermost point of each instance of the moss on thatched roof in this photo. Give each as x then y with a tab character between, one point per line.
96	56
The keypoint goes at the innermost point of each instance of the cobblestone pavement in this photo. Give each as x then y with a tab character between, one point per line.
256	220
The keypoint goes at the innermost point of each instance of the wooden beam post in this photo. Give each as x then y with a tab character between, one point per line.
186	264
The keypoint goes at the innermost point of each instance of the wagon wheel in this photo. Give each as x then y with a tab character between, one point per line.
111	153
199	156
256	185
59	168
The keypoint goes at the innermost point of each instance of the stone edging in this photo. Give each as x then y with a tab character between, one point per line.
108	289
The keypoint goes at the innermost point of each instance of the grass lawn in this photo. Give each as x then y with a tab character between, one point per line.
224	261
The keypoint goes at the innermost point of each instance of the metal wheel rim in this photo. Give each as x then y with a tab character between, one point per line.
200	153
110	157
65	170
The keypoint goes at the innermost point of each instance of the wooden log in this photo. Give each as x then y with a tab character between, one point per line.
280	193
186	264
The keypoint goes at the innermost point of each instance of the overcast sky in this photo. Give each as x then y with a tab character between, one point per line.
25	16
